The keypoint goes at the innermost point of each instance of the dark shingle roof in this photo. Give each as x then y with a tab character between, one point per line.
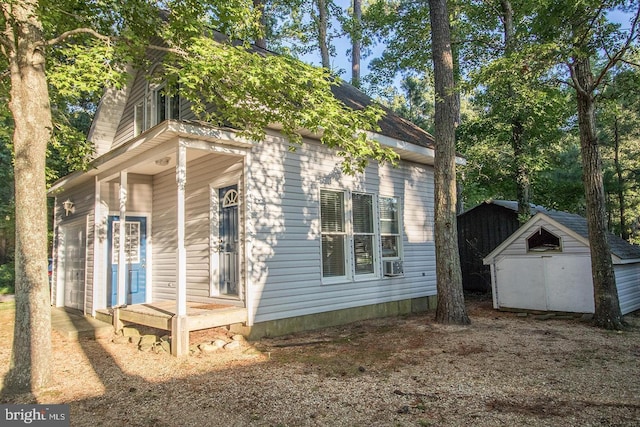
578	224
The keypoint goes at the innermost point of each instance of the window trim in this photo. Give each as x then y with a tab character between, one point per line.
147	108
349	260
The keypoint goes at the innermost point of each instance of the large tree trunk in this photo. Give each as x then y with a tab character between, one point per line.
323	25
451	308
520	170
607	307
261	41
356	36
32	121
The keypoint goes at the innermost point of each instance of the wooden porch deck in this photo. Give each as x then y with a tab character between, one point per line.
159	315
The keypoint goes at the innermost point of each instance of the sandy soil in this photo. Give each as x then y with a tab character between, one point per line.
502	370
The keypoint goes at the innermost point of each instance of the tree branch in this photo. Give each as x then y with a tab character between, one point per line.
613	60
77	31
576	84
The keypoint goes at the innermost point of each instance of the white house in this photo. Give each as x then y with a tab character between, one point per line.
220	230
546	265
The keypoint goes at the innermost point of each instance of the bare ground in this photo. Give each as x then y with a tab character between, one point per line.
502	370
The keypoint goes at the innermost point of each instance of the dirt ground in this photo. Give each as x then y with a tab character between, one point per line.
502	370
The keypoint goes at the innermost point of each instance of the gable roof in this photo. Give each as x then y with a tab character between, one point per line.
576	226
511	205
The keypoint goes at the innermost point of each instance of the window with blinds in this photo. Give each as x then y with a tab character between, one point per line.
358	232
332	215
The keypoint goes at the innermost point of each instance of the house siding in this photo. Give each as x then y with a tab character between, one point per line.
83	199
628	284
209	170
570	245
284	237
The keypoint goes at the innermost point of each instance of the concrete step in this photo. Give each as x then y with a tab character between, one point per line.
75	325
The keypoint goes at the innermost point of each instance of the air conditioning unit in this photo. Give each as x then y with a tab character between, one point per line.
393	268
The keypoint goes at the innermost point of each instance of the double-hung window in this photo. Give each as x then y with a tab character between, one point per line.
359	231
390	228
158	105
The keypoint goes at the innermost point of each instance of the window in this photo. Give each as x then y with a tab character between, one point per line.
390	228
332	214
158	105
543	241
355	231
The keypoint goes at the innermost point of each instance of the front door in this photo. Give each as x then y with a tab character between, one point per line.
135	258
228	234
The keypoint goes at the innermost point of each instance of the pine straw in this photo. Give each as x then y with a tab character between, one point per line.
502	370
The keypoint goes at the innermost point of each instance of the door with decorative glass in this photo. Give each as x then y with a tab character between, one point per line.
228	271
135	251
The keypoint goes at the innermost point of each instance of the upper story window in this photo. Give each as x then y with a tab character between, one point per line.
158	105
543	241
357	234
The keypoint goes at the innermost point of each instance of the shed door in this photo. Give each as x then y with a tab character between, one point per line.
74	245
547	283
135	253
228	234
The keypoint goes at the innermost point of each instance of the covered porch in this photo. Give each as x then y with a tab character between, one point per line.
163	315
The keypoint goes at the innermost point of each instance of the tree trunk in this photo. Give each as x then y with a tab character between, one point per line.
451	307
32	121
323	25
520	170
624	232
607	307
261	41
356	37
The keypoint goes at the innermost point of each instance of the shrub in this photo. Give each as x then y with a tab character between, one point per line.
7	278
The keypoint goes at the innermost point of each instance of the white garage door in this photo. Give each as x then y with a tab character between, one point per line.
73	257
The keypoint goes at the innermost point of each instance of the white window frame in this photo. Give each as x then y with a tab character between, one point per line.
145	112
398	235
350	237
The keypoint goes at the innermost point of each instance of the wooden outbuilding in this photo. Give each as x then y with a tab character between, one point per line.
546	265
480	230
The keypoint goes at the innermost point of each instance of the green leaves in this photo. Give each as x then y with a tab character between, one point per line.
250	91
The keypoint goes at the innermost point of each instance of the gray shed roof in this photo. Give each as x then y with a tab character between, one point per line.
619	247
578	224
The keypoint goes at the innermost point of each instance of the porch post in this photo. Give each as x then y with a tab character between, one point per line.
179	329
122	261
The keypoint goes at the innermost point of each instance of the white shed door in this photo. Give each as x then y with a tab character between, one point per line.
521	283
547	283
74	265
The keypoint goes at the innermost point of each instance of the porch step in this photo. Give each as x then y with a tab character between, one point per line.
74	325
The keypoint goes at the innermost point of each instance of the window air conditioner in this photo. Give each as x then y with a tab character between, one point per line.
393	268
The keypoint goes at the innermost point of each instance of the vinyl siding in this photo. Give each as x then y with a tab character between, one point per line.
83	199
211	169
570	245
628	284
283	205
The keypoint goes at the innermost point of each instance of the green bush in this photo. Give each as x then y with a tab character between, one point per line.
7	278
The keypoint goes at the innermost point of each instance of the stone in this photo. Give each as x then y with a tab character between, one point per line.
587	317
238	337
134	340
544	316
148	340
233	345
128	331
165	345
219	343
208	348
119	339
522	314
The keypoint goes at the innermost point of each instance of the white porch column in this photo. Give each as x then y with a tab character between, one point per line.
179	330
122	261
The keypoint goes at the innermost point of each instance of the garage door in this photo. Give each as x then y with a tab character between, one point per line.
74	243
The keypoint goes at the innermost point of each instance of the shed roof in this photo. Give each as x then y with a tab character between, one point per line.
575	225
511	205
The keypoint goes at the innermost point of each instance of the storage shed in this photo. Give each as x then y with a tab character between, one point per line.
546	265
480	230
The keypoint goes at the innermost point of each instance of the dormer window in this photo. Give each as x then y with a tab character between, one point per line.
158	105
543	241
